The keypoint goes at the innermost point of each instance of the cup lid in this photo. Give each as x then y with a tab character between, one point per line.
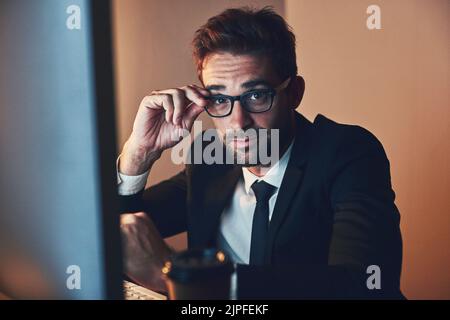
198	264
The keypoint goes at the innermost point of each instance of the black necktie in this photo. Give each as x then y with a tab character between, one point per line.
260	225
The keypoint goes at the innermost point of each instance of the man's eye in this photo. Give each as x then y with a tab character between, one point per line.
256	95
219	100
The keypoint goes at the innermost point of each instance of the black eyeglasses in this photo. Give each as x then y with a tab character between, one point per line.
254	101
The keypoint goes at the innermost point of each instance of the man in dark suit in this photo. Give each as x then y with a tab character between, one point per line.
319	223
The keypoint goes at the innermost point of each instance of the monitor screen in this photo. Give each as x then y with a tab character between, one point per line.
57	139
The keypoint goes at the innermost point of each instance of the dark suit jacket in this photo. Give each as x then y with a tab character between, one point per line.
334	216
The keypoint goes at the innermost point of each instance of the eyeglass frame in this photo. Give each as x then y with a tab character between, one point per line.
272	91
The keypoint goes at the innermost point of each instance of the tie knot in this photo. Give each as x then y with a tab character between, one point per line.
263	191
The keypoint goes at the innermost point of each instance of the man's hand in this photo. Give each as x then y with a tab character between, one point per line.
145	252
161	120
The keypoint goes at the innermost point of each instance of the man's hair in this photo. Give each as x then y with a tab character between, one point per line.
248	31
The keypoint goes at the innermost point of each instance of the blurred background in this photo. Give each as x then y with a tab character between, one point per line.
393	81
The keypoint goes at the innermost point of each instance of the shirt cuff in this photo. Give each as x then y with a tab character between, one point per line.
130	185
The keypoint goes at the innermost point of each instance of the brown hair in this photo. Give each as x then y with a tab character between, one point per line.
248	31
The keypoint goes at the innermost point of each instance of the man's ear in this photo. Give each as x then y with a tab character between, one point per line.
297	89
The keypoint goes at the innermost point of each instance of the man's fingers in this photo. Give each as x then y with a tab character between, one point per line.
202	90
179	101
127	218
162	100
141	214
192	112
194	94
134	218
197	96
182	99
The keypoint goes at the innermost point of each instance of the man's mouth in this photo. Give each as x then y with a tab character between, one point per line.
243	142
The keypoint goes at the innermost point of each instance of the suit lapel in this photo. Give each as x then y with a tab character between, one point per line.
292	179
218	193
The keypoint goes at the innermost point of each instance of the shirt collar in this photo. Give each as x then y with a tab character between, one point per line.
275	174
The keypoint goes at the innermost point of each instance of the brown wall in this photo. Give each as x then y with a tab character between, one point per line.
392	81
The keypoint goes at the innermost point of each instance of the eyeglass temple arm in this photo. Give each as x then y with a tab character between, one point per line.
283	85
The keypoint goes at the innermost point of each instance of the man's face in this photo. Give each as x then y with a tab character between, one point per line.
233	75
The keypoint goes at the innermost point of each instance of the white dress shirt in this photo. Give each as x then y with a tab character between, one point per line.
129	185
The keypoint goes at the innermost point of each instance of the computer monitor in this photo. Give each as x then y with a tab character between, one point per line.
59	232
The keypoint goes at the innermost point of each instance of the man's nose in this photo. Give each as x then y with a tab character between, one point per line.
240	118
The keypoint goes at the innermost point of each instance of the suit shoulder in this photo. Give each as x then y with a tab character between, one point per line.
338	136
